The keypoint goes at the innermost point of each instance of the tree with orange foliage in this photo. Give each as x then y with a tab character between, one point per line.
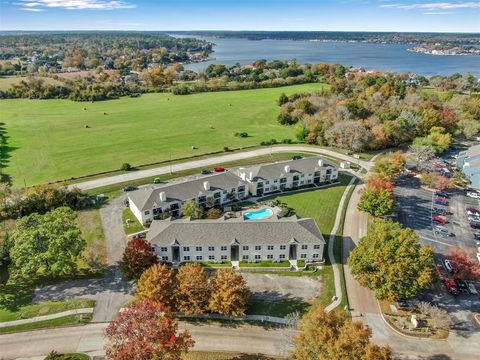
377	183
229	293
158	283
467	266
193	290
137	256
333	336
146	330
448	119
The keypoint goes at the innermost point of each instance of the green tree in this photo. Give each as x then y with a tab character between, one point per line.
191	208
50	244
333	336
376	202
390	261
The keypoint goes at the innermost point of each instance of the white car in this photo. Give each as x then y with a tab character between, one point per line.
471	288
473	194
448	265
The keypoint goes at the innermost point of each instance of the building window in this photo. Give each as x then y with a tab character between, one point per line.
223	257
199	257
267	182
163	249
275	181
211	257
241	188
223	248
217	195
283	180
211	248
245	257
186	258
164	258
304	247
270	247
245	248
257	257
270	256
186	248
147	212
316	247
198	248
283	247
282	256
258	247
315	256
303	256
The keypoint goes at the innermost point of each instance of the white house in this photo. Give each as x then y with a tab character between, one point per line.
159	201
287	175
237	239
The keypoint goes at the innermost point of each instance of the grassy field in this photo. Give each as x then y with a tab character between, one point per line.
49	139
95	254
7	81
130	223
63	321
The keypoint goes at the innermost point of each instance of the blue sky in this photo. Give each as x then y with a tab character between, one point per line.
309	15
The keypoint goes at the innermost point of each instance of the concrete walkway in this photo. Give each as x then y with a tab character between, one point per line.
46	317
331	255
206	162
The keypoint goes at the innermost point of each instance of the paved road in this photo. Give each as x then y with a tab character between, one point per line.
89	339
92	184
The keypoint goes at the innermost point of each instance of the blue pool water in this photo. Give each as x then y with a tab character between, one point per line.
259	214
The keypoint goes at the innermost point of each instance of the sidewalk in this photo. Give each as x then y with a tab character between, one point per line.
46	317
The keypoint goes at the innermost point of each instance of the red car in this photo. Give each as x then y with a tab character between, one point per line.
411	174
440	200
440	219
451	286
438	165
219	169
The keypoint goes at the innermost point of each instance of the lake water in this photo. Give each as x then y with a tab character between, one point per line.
385	57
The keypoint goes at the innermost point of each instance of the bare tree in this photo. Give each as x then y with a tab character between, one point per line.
420	153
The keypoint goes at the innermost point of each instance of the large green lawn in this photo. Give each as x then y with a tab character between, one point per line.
48	139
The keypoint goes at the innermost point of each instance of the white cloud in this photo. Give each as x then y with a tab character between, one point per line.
39	5
438	13
435	6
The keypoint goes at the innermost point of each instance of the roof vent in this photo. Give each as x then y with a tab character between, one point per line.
320	162
287	168
206	185
163	196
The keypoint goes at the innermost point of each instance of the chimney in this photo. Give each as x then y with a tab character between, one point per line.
250	176
163	196
243	176
320	162
287	168
206	185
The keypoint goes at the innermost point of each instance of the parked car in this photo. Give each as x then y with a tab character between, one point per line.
437	165
440	219
441	211
411	174
129	188
402	304
126	202
443	231
442	194
141	235
473	218
475	225
448	265
219	169
473	194
206	172
451	286
440	201
296	157
462	286
157	180
472	211
471	288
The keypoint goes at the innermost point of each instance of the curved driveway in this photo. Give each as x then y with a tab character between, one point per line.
166	169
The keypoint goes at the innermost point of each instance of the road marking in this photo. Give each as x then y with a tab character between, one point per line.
434	240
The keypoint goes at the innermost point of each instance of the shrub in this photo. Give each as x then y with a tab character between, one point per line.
126	167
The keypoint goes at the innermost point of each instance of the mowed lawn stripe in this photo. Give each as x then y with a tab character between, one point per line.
50	140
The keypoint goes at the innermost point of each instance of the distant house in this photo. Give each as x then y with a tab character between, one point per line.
153	202
469	162
220	240
288	175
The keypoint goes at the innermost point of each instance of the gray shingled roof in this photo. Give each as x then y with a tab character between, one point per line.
277	170
145	198
473	151
227	231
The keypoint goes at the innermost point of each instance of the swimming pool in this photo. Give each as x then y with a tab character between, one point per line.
259	214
